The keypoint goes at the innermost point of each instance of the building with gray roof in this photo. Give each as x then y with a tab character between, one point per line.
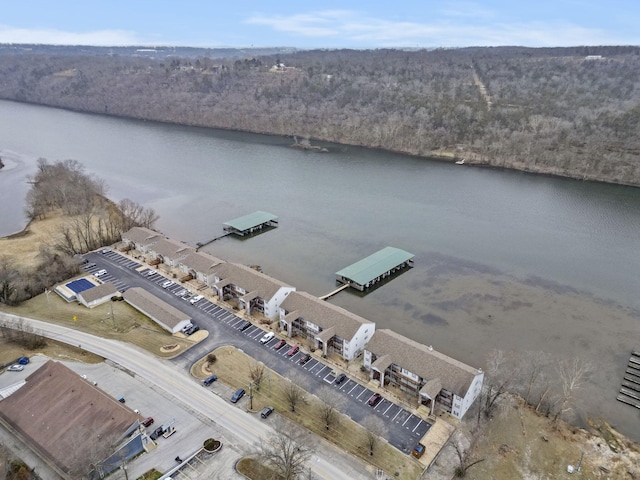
376	267
140	238
97	295
165	315
200	266
328	327
433	377
253	290
169	251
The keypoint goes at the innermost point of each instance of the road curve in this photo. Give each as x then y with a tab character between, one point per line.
239	425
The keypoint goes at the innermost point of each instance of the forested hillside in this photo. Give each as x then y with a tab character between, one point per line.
565	111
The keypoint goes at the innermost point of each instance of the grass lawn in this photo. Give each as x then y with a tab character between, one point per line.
126	323
232	367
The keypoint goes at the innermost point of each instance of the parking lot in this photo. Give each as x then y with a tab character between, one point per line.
404	428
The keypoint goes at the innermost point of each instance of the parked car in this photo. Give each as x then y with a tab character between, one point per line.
167	284
179	293
196	299
23	360
148	422
187	327
280	344
100	273
90	265
266	411
267	337
15	368
340	378
304	359
121	399
157	432
293	350
105	250
192	330
237	395
375	399
148	273
244	325
209	380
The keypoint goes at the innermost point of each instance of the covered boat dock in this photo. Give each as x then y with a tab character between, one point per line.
375	268
251	223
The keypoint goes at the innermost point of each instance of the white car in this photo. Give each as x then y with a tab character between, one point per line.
166	284
100	273
15	368
195	299
182	292
267	337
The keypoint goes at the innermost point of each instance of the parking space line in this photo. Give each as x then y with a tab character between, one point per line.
391	405
358	397
355	386
407	420
417	425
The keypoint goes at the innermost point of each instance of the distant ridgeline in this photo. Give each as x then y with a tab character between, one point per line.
561	111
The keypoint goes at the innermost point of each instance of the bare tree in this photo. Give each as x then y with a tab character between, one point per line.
286	453
533	366
573	375
499	375
256	373
465	457
293	391
331	402
375	428
9	276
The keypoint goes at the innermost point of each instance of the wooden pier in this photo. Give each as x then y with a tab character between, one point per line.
337	290
199	245
630	389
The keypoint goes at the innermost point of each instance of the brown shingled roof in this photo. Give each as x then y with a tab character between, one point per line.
141	235
324	314
201	262
64	416
423	361
249	279
170	248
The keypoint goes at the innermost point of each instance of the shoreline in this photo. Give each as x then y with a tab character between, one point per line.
446	156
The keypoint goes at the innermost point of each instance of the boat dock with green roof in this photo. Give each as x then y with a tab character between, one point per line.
375	268
251	223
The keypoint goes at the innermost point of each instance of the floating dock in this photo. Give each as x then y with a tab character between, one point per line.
251	223
630	389
375	268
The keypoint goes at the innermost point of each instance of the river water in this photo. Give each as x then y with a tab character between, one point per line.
502	259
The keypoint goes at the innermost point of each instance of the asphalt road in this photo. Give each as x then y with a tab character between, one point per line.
239	426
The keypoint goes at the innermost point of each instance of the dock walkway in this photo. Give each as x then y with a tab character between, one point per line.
630	389
337	290
199	245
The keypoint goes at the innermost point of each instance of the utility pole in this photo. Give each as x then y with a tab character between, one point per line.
579	466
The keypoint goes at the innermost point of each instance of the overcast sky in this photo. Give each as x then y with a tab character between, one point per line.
326	24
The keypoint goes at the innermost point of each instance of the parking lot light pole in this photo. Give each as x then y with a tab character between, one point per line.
250	395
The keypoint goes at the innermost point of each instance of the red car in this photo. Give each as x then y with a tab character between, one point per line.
375	399
148	422
280	344
293	350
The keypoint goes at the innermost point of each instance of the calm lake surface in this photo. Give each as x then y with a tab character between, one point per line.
565	236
